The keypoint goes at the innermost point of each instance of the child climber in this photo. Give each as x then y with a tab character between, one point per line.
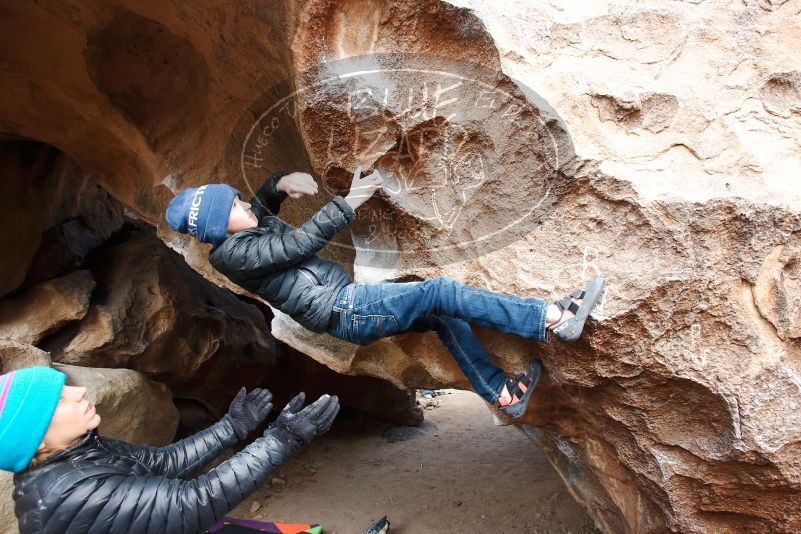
71	480
265	255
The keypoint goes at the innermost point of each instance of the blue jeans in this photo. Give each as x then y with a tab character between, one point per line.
368	312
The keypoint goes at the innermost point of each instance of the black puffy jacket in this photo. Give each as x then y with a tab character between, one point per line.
280	263
106	486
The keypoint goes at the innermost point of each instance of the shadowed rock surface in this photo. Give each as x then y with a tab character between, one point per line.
45	308
154	314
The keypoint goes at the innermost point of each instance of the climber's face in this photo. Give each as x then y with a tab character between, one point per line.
74	416
242	217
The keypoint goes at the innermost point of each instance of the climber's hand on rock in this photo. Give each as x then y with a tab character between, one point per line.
297	184
249	410
303	425
361	189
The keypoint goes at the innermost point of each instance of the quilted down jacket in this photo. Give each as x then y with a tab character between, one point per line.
106	486
280	263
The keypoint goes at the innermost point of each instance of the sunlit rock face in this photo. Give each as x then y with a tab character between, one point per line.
525	149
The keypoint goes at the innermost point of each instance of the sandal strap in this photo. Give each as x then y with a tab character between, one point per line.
514	386
579	293
567	303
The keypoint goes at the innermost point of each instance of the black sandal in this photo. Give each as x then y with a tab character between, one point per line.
571	328
520	388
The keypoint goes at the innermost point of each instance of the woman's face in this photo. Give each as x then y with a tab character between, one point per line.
242	217
74	416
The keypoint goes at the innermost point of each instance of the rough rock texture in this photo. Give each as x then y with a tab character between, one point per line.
132	408
16	355
678	410
46	307
691	100
657	143
7	504
51	211
155	315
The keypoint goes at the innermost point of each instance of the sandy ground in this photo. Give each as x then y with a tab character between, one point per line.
444	476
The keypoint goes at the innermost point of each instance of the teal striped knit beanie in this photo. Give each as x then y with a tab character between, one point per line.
28	399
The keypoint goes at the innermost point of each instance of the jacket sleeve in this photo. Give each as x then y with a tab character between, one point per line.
262	253
268	198
122	503
184	457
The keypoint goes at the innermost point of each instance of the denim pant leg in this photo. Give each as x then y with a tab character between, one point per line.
442	295
340	326
374	311
371	323
360	316
394	307
486	378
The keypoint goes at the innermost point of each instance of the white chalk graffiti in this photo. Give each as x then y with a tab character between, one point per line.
696	357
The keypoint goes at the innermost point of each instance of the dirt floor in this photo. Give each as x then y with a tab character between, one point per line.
441	477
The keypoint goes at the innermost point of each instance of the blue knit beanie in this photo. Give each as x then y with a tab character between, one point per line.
28	399
202	212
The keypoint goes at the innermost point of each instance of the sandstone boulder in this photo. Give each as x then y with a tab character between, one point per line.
45	308
157	316
52	213
16	355
677	410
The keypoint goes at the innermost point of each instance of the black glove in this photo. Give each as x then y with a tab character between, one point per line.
248	411
298	427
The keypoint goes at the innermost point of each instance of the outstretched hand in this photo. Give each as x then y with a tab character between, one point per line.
362	189
297	184
303	425
249	410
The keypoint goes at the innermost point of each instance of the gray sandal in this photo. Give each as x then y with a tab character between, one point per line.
571	328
